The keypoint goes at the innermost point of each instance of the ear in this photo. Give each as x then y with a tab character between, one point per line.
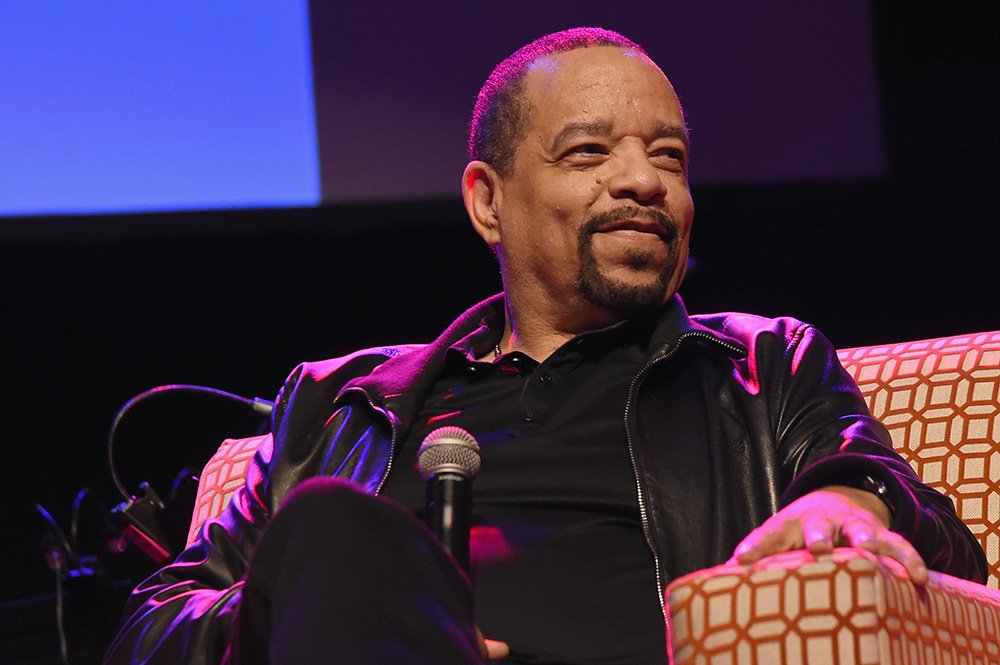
481	193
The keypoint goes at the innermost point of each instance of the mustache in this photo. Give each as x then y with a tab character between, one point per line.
597	222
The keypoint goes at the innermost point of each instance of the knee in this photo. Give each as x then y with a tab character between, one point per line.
324	496
338	503
313	520
330	519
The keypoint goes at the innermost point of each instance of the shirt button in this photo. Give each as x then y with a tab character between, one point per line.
546	379
528	417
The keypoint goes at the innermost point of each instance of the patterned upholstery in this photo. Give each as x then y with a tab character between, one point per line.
940	400
222	476
846	608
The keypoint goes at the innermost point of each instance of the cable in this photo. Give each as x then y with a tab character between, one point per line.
261	406
60	622
56	556
58	533
74	525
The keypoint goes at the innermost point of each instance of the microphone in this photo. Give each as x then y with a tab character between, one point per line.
449	461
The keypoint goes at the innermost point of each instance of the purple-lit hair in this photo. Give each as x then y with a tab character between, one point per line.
501	110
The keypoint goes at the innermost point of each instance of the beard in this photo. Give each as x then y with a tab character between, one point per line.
616	295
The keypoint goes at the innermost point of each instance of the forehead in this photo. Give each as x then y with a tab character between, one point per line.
599	83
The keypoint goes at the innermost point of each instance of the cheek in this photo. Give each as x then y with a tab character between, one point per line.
679	196
552	211
575	203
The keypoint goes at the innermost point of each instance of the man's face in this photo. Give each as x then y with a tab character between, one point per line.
596	210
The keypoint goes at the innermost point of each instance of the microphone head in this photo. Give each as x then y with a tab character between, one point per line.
448	450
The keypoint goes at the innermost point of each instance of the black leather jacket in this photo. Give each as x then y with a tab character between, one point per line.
731	417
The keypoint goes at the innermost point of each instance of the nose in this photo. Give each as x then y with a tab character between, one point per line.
637	179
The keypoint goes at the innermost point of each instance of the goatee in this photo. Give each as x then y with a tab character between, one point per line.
616	295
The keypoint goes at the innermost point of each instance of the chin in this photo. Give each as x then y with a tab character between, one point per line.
626	296
626	284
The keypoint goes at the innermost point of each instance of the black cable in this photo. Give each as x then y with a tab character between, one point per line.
60	621
261	406
57	561
57	532
74	524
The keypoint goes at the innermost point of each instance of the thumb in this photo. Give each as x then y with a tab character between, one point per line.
496	650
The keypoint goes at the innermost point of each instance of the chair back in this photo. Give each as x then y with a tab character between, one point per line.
940	400
224	473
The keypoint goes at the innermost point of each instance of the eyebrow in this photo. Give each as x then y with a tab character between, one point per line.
675	132
597	127
603	127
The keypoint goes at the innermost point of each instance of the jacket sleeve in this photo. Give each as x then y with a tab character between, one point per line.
827	436
184	612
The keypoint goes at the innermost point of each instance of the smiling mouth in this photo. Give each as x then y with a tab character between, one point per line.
633	221
636	226
639	229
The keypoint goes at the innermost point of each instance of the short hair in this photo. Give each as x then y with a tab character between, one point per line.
501	110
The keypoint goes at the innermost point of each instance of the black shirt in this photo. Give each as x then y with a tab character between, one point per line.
559	561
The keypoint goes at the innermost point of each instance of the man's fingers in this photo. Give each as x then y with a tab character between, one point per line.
496	650
818	534
861	533
491	649
881	541
896	547
771	538
823	520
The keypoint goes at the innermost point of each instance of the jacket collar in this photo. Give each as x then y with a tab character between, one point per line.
401	381
405	377
677	327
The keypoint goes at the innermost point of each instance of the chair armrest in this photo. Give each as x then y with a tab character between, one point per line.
846	607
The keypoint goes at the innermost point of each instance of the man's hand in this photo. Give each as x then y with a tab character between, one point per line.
834	516
492	649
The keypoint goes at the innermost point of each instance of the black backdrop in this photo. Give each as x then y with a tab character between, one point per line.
235	299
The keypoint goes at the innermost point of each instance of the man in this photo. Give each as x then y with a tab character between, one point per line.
624	443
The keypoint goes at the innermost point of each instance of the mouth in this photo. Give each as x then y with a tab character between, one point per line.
636	225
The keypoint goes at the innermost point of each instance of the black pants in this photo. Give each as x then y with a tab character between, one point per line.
340	576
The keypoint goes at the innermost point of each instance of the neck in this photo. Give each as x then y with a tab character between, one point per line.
538	335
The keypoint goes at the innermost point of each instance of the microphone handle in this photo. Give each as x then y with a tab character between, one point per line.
449	513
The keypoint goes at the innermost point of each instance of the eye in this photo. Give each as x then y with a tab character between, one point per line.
585	150
671	158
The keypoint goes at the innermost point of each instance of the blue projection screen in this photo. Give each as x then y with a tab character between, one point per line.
118	106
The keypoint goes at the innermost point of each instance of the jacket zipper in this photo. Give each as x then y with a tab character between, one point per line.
640	489
392	427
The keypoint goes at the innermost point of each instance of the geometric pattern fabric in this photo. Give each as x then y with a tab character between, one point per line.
222	476
847	608
940	400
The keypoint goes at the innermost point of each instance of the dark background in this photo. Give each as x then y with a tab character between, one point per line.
236	299
773	91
